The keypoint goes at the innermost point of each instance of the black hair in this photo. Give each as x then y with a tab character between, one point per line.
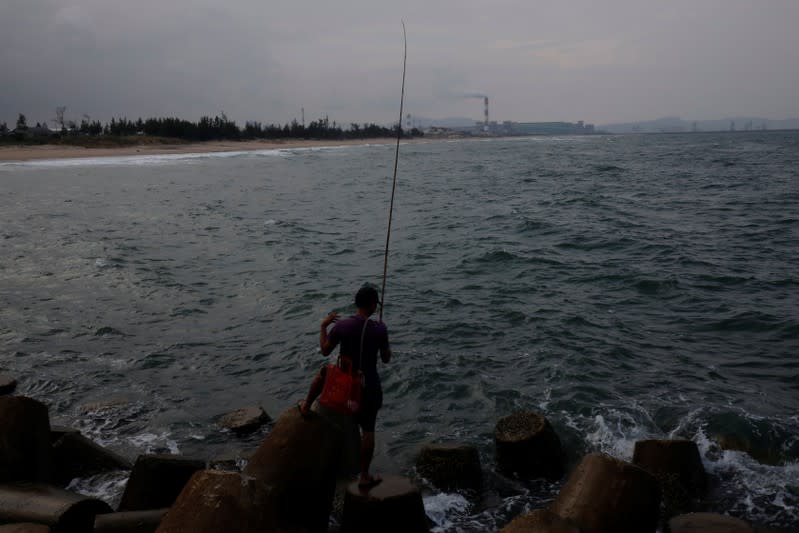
366	296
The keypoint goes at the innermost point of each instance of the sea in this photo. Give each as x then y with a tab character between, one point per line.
626	287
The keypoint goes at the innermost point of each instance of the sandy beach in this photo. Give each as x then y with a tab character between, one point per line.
56	151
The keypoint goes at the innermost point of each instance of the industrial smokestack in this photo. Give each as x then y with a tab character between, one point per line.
485	124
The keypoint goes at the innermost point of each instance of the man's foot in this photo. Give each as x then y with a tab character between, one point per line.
302	406
367	482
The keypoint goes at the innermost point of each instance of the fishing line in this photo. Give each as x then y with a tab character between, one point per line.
396	162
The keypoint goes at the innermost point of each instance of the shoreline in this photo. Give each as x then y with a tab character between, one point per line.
21	153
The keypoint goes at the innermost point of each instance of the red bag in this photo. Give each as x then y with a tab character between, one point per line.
342	388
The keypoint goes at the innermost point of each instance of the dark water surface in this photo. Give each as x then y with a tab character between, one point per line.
628	287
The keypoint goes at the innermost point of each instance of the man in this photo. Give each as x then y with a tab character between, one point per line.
347	332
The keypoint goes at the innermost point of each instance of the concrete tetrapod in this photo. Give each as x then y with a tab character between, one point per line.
604	494
678	467
25	527
76	456
214	501
708	523
25	452
62	510
7	384
526	444
450	466
298	462
540	521
129	521
393	506
156	481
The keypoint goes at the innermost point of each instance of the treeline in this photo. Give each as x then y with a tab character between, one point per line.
211	129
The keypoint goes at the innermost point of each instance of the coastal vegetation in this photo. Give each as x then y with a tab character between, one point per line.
123	131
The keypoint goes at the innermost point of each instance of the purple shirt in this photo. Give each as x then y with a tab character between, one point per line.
347	333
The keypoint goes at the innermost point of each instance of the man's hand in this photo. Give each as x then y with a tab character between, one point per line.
329	319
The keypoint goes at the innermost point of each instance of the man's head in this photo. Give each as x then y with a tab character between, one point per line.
367	299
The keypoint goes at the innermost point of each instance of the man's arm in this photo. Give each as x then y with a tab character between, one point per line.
385	350
385	354
325	344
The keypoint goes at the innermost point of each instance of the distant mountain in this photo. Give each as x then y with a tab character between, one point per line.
676	124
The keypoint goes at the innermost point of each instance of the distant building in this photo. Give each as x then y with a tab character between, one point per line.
549	128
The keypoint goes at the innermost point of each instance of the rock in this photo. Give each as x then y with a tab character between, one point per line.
7	384
62	510
393	506
129	521
527	445
299	462
157	480
214	501
708	523
755	450
604	494
245	420
104	404
450	466
76	456
25	452
540	521
757	438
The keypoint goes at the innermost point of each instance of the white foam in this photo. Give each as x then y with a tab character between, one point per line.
617	434
128	160
107	486
441	508
152	443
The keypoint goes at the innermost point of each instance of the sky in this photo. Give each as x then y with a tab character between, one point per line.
263	60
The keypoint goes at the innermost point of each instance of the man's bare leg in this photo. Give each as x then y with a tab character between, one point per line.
313	393
367	452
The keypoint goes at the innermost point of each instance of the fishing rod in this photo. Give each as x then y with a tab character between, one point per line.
396	162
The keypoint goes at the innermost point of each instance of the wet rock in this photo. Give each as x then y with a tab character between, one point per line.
76	456
61	510
742	443
708	523
25	452
245	420
540	521
157	480
129	521
214	501
101	405
7	384
450	466
605	494
759	439
299	461
526	444
393	506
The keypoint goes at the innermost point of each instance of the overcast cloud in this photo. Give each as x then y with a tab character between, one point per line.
598	61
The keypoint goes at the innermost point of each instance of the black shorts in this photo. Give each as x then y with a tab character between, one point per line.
371	402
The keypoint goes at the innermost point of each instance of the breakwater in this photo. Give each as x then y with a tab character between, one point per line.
627	287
